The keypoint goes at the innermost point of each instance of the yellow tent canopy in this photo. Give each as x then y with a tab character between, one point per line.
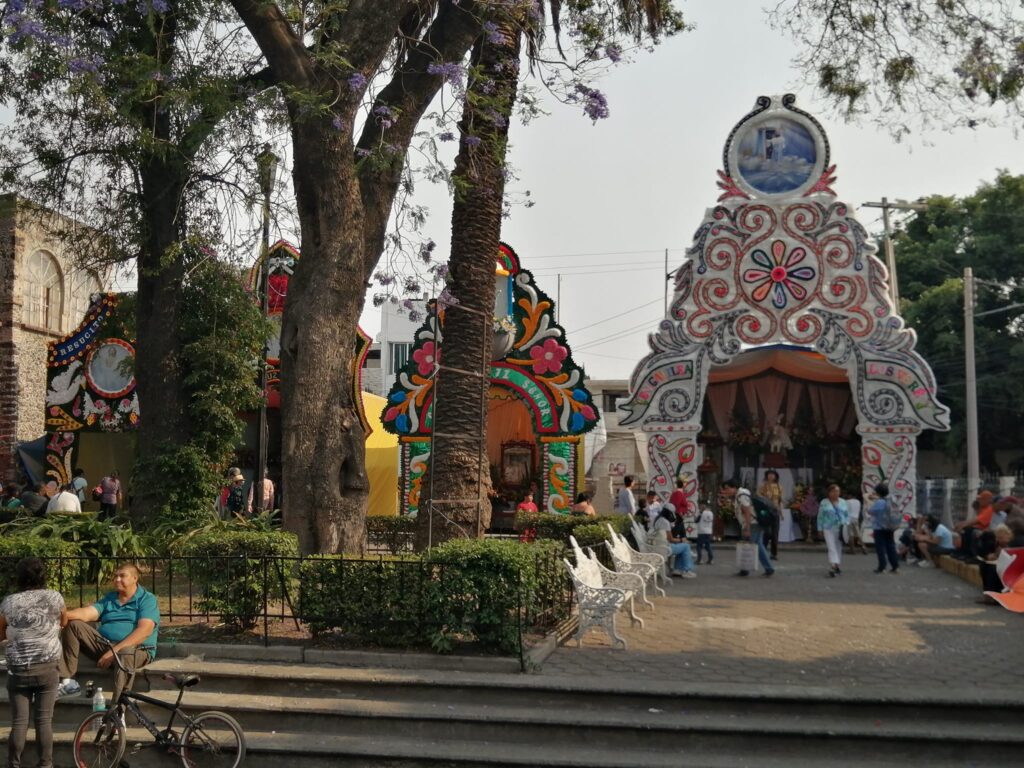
381	459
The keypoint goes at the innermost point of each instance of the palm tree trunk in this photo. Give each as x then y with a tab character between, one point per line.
457	494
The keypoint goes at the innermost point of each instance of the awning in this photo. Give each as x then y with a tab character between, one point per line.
793	361
32	457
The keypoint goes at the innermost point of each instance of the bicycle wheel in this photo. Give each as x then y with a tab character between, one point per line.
213	739
99	744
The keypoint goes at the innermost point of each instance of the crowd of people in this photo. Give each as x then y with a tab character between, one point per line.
49	497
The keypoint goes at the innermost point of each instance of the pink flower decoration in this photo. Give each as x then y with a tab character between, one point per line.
588	412
548	357
392	414
424	357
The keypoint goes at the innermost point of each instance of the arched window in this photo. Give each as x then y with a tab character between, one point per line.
84	284
43	296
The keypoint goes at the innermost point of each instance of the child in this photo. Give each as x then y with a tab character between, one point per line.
705	526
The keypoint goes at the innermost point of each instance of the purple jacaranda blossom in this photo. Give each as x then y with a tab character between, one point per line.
472	141
361	153
595	105
357	81
412	285
337	123
497	118
81	64
451	71
493	34
614	52
414	316
71	5
384	278
385	116
440	271
160	6
447	136
446	299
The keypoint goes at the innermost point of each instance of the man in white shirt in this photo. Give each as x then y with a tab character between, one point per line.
705	528
625	504
63	501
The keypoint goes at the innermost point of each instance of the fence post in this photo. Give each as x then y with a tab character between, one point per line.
947	502
266	603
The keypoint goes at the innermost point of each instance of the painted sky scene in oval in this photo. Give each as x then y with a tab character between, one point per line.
776	155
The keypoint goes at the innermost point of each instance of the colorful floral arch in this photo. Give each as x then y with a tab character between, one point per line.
780	259
532	359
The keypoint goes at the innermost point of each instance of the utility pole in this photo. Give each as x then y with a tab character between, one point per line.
971	404
558	301
266	167
890	254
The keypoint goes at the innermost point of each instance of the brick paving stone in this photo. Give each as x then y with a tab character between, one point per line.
801	627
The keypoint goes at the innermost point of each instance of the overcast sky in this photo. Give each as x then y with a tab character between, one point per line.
611	197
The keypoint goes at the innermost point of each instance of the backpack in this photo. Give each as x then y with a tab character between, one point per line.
764	511
892	518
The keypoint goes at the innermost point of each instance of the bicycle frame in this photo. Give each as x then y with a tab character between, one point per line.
127	700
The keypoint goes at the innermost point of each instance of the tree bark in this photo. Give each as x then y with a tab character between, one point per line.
326	486
457	503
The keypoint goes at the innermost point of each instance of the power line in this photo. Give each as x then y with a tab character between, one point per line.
613	317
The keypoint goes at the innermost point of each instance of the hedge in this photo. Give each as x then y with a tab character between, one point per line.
230	566
59	574
474	591
560	527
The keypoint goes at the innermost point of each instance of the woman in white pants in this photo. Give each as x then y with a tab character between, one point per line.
833	515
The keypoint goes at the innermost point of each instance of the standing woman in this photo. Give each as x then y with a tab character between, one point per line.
30	621
885	542
833	516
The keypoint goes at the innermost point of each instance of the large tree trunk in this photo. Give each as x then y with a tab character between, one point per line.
326	486
163	420
458	502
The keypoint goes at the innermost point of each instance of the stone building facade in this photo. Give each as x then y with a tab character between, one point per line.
43	295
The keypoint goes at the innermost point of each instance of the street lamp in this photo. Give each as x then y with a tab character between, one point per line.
266	168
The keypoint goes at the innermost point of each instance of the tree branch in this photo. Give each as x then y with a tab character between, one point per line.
285	53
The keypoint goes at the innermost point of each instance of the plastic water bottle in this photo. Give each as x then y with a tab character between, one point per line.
99	704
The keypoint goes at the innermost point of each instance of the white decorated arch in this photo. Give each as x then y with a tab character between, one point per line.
781	259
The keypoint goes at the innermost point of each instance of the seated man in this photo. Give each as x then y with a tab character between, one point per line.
975	523
934	541
128	618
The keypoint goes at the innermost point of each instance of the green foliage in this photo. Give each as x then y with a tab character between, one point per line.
16	545
986	232
484	588
229	564
481	591
223	333
391	532
560	527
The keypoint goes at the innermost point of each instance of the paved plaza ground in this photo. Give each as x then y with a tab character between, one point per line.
890	632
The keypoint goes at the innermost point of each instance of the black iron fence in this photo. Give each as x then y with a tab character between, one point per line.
406	602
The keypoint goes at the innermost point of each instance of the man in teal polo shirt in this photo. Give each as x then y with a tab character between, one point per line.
128	618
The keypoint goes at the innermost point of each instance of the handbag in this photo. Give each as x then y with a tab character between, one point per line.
746	556
97	493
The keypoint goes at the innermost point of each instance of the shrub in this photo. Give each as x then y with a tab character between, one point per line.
485	590
560	527
378	600
60	574
393	533
230	565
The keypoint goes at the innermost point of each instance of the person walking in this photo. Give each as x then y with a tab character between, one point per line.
771	490
30	622
111	496
79	484
625	502
750	531
833	515
884	531
705	528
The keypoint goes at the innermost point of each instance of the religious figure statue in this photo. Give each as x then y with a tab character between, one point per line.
778	437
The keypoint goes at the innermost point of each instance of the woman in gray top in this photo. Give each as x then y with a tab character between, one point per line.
30	621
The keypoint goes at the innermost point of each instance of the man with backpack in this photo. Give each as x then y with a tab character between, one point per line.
752	520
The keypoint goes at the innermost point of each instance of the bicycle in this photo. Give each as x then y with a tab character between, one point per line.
207	739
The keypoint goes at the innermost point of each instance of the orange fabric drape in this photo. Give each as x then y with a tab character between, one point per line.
797	363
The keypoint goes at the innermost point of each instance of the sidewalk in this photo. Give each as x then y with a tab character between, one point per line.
860	630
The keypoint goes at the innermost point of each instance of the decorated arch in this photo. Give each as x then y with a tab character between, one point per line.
531	365
780	259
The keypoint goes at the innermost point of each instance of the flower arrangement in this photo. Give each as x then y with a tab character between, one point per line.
799	495
504	324
744	435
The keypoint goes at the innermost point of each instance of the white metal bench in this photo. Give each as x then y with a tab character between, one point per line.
628	560
647	547
631	583
597	604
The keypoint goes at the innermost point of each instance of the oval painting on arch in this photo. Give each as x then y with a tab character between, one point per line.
776	155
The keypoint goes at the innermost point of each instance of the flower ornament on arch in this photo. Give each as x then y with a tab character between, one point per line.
779	275
425	358
548	357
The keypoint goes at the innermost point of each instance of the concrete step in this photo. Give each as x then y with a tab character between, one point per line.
269	749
